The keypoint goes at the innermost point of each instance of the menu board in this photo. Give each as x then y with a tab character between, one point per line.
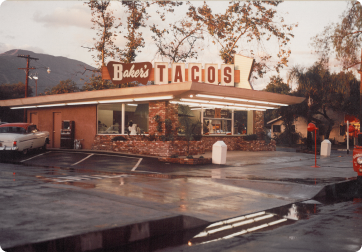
217	113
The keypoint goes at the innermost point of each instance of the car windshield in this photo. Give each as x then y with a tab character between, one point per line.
18	130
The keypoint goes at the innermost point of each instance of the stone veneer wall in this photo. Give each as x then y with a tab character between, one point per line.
141	145
165	110
259	124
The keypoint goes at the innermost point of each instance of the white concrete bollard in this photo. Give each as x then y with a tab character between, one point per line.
326	146
219	150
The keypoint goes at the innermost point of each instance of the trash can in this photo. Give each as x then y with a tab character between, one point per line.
326	146
219	150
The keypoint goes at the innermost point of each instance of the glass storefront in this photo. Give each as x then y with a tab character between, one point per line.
240	122
132	118
221	121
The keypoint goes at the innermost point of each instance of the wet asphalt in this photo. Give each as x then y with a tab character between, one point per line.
84	201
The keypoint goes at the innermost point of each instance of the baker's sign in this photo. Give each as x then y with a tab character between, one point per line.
143	72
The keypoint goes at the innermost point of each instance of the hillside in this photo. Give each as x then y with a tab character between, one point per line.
62	68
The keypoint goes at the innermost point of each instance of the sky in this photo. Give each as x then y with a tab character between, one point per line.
61	28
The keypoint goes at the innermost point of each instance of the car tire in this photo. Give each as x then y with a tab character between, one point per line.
44	148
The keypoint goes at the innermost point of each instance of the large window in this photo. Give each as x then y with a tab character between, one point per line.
217	121
240	122
133	118
136	118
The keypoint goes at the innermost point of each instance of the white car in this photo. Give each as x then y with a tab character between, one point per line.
22	137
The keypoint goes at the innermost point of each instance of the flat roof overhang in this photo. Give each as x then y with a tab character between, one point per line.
201	92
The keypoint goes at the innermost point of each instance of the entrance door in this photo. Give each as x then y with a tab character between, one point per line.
34	119
57	125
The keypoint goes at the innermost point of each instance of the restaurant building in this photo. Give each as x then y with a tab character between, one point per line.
132	119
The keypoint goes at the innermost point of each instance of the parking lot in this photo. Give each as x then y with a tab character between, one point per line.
93	162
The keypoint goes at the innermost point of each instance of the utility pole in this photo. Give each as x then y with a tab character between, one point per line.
360	95
27	70
28	58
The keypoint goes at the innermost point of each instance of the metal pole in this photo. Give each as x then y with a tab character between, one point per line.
347	137
315	147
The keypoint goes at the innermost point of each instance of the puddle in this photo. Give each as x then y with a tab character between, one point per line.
256	222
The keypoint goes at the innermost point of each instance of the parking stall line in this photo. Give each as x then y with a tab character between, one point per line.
138	163
35	156
82	160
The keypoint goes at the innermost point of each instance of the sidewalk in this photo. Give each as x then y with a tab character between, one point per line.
107	212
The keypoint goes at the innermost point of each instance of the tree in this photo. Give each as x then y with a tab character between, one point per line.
103	22
96	83
137	16
67	86
182	42
343	38
247	22
12	91
329	92
288	114
277	85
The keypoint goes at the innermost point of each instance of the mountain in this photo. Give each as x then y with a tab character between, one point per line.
62	68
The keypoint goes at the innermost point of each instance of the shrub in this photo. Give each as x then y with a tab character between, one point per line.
251	137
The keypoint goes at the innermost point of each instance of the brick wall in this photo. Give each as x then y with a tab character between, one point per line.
259	124
141	145
165	110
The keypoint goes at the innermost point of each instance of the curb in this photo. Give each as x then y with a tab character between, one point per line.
101	152
115	237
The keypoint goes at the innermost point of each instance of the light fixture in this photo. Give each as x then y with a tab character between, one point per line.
82	103
277	104
51	105
264	107
168	97
134	105
24	107
240	108
193	100
223	103
241	100
235	99
114	101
